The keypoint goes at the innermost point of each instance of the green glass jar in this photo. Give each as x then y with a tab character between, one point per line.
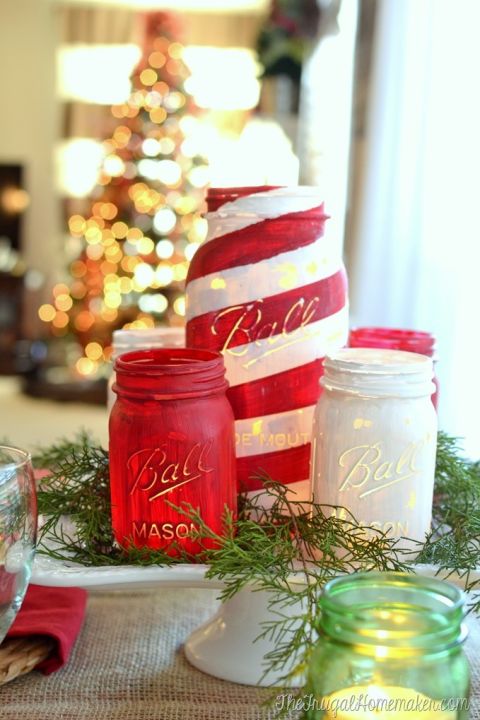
389	648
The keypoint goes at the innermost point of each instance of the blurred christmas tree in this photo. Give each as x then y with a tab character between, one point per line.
144	223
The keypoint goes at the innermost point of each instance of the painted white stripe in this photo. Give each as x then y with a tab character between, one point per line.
261	358
269	433
247	283
251	209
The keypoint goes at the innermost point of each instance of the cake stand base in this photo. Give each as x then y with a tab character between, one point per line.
228	646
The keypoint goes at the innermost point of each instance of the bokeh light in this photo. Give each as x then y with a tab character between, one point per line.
191	249
179	305
165	249
164	274
94	351
129	252
46	312
164	220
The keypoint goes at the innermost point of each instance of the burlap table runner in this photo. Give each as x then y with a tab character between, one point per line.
128	665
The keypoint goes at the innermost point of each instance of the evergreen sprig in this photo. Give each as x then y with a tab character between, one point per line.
74	502
454	543
291	549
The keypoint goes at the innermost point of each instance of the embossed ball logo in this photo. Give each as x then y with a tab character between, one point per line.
155	472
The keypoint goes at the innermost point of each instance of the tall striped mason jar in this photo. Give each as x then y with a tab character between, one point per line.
268	289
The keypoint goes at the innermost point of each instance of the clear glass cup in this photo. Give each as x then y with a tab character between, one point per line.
18	528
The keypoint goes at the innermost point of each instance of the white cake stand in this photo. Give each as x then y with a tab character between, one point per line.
227	646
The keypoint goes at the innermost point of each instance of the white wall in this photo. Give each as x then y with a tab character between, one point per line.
28	124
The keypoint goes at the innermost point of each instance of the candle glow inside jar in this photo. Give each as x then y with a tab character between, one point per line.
390	646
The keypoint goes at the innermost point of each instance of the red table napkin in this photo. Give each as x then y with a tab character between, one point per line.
53	612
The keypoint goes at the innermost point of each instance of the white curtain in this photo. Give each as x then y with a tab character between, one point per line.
326	110
417	240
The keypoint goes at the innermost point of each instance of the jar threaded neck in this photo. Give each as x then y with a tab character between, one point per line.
393	614
374	372
169	373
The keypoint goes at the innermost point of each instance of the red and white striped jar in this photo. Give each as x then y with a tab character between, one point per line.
268	289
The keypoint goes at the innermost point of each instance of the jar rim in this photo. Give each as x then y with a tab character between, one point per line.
378	372
418	341
162	373
169	361
379	361
18	458
453	594
266	201
241	190
438	604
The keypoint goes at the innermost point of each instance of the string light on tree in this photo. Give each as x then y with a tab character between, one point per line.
143	224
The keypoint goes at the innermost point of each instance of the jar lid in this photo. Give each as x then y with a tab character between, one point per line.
265	201
378	372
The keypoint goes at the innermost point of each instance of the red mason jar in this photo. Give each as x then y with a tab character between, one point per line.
171	441
415	341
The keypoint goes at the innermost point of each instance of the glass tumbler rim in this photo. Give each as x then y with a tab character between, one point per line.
18	529
24	456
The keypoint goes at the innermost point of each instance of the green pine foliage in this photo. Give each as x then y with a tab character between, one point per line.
291	550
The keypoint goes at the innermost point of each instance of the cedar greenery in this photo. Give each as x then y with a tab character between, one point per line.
266	548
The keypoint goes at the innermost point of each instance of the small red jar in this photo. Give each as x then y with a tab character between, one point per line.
171	441
396	339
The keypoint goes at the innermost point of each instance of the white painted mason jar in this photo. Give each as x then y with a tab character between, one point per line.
374	439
